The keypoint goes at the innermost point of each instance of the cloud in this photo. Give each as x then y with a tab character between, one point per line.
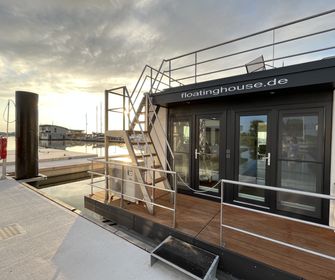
62	47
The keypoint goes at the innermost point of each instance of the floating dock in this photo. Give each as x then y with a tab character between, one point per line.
42	240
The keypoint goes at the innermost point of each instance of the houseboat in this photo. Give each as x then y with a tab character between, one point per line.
231	149
52	132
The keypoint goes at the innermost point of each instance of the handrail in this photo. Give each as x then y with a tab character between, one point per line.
277	189
254	49
132	103
273	43
253	34
285	190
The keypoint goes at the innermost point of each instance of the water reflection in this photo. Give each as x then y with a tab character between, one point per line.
84	147
76	146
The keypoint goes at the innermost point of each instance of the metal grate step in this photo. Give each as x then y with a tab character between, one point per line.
193	261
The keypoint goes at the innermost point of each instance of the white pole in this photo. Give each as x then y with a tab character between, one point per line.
8	104
96	119
100	117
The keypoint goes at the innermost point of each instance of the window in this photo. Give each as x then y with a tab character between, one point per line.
300	161
181	148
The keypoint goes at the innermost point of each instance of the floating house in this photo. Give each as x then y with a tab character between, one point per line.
52	132
232	149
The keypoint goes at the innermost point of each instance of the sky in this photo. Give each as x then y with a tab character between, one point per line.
70	51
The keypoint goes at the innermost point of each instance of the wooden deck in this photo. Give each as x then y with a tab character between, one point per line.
200	218
306	236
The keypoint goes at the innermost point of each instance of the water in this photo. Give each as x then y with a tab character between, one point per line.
76	146
72	194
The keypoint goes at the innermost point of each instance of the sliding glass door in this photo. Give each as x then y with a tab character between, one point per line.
252	157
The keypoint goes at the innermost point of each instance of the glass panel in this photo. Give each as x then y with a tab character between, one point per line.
299	138
252	160
181	149
209	134
299	166
300	176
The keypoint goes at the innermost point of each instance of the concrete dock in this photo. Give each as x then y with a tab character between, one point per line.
42	240
57	165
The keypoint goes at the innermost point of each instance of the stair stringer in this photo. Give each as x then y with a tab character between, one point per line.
166	181
139	175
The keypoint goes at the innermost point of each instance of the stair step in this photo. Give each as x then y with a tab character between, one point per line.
192	260
156	166
157	180
141	142
146	155
137	132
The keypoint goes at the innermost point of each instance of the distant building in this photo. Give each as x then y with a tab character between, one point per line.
76	134
53	132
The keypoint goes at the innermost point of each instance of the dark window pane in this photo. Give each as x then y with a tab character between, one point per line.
303	176
300	138
299	164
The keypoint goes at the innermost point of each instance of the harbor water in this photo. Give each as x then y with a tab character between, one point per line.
76	146
72	193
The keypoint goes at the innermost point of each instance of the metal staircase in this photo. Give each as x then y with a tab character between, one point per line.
142	132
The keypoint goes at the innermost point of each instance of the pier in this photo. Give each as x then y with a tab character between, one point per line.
43	240
57	165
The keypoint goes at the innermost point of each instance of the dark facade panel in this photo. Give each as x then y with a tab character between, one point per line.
307	74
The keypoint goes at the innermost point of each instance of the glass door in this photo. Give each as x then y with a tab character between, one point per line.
300	160
181	147
253	157
207	153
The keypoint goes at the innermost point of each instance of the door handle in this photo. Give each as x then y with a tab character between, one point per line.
268	159
196	153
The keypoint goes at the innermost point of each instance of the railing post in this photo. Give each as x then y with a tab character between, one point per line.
123	109
169	73
153	192
92	179
122	184
195	66
151	81
273	46
146	115
106	148
221	216
174	200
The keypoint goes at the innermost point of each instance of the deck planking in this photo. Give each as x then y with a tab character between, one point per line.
194	216
200	218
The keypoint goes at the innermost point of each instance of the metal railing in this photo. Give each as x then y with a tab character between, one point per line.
267	238
279	45
149	81
126	181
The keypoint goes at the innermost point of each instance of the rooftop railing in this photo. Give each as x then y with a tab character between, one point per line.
303	40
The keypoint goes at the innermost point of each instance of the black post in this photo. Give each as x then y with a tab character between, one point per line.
26	131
